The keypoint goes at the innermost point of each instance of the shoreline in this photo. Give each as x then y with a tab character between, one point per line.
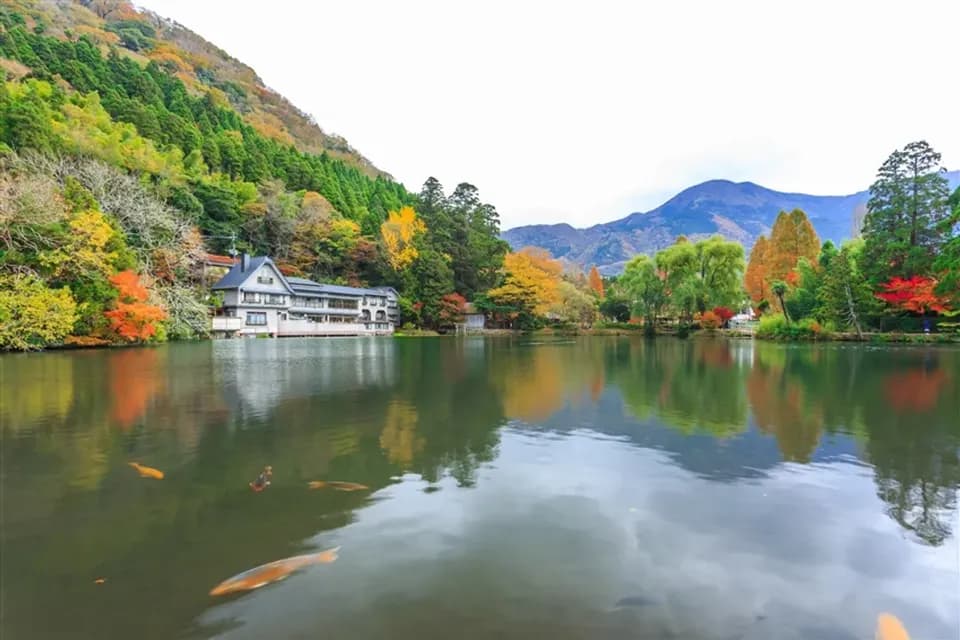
701	334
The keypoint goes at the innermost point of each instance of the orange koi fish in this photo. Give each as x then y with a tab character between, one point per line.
272	572
339	486
889	627
147	472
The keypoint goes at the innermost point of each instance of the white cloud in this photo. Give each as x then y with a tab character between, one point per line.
583	112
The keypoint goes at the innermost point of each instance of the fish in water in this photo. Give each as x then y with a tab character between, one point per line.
272	572
339	486
889	627
633	601
99	581
263	480
147	472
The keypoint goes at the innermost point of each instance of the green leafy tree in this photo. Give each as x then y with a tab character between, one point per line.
845	294
434	279
947	264
905	226
645	288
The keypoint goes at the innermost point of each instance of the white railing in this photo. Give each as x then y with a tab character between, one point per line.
224	323
308	328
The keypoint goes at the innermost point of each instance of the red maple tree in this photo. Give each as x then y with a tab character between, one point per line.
723	313
452	308
914	294
132	319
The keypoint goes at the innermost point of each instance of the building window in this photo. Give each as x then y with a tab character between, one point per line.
338	303
249	296
257	318
264	280
381	315
274	298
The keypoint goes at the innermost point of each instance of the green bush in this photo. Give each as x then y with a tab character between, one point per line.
776	327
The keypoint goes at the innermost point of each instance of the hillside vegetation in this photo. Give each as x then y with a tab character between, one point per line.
123	154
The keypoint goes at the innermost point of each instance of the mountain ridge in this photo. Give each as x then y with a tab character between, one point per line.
203	66
739	211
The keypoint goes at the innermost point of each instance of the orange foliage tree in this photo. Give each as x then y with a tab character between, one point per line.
755	278
596	282
792	238
132	318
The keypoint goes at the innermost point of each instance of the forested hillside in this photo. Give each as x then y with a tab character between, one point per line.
117	158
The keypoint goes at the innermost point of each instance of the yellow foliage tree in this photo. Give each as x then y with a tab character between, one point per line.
87	251
398	234
531	281
33	316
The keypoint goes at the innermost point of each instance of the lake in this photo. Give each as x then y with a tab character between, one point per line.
519	488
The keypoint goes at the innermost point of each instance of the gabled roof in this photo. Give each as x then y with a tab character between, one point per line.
238	276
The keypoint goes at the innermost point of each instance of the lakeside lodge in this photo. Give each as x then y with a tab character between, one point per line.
259	300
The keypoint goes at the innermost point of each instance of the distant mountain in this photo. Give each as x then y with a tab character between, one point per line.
740	211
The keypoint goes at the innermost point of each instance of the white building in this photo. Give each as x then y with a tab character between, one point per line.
258	299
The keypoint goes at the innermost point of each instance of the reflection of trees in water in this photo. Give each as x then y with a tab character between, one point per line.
782	407
399	437
903	404
913	439
694	386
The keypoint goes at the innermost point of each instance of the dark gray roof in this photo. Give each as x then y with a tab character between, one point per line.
309	286
235	278
237	275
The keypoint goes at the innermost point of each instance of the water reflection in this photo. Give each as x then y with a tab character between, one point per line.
502	416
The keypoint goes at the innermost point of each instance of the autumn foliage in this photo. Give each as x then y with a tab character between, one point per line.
596	282
755	278
398	234
532	280
914	294
453	306
792	237
710	321
132	318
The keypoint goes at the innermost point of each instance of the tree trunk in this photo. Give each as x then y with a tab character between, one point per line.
783	305
851	310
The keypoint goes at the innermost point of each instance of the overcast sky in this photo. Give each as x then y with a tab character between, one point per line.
584	112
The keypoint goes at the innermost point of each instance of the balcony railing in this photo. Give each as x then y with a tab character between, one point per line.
224	323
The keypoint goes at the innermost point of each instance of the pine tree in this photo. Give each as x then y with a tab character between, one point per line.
904	228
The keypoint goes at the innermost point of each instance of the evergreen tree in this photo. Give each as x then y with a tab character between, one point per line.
904	229
845	294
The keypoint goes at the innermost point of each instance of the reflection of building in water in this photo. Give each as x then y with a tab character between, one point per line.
256	375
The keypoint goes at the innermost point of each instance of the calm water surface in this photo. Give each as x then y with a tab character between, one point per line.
596	488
